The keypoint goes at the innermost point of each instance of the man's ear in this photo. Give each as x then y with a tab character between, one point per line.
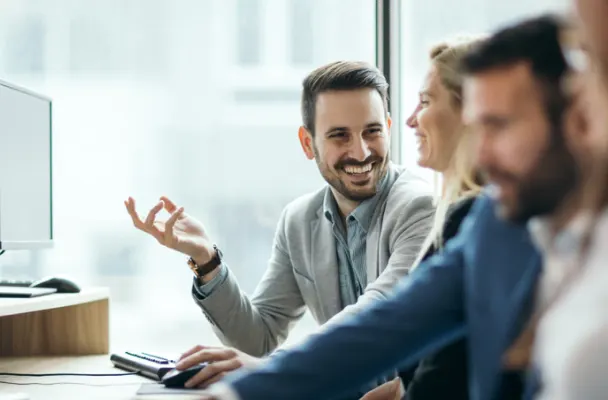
577	133
306	141
389	123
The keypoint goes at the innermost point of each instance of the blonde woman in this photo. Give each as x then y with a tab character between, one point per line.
445	147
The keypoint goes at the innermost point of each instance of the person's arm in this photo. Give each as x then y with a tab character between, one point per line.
425	313
258	325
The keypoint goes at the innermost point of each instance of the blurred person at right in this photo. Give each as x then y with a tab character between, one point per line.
574	364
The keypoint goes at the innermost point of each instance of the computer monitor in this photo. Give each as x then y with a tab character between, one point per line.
26	208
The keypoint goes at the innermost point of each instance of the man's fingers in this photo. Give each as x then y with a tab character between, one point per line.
171	222
191	351
213	380
212	370
152	214
196	349
387	391
130	205
170	206
206	355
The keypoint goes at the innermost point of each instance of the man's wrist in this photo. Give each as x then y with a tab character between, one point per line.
204	256
204	271
209	276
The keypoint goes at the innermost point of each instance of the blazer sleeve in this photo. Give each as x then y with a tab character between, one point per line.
258	325
424	314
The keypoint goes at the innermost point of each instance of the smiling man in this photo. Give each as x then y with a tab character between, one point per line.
335	250
488	283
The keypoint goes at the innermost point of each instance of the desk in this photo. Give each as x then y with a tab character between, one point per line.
56	324
114	387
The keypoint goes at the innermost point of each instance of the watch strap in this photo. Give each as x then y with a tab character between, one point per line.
202	270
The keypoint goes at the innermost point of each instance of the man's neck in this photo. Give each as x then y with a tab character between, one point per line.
565	212
345	206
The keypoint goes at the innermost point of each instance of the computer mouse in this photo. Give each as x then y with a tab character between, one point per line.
63	285
177	379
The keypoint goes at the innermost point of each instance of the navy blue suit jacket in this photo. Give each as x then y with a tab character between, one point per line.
481	285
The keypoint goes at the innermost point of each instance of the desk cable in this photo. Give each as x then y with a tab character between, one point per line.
65	383
67	374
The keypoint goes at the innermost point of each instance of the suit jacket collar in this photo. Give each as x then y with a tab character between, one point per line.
323	249
365	212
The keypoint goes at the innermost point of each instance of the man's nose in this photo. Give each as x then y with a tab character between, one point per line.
360	150
483	154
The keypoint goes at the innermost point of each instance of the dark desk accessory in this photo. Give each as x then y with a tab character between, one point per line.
145	364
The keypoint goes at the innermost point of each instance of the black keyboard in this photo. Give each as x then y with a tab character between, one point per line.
148	365
16	282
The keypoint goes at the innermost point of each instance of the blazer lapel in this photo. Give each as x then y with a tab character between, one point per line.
324	267
522	300
373	248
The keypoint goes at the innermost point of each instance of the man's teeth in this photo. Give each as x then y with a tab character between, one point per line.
350	169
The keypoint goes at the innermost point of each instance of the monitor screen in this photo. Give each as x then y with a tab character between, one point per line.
26	219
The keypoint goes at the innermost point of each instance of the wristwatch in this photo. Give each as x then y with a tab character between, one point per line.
202	270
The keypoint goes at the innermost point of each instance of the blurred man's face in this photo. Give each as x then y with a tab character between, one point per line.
593	16
524	157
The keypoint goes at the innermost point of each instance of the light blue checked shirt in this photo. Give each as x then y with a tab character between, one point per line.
351	242
350	246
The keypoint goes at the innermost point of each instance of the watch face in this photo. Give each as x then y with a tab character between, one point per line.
193	266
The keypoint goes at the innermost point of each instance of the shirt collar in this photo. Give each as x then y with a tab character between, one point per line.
566	241
364	212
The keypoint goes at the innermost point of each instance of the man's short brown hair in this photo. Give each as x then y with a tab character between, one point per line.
339	75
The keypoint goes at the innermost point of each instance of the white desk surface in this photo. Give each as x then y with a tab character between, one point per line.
11	306
86	388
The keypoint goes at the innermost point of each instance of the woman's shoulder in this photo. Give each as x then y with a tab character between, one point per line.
455	215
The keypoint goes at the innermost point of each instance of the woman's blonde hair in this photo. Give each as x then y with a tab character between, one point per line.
463	180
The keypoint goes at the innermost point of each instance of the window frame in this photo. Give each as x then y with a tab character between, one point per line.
388	60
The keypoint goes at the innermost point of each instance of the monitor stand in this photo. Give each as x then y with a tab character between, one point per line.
24	292
21	288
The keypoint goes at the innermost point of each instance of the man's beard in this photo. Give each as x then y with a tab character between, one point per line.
543	190
379	170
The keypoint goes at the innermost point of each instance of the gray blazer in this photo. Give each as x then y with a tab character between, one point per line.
303	267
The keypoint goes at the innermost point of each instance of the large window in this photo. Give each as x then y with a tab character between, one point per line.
194	99
425	23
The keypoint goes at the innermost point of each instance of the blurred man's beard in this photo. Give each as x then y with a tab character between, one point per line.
543	189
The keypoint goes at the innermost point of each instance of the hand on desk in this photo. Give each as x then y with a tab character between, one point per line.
180	232
221	361
392	390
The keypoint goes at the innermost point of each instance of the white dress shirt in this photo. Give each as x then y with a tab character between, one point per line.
571	348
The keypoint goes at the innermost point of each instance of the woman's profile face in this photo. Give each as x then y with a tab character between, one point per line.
436	122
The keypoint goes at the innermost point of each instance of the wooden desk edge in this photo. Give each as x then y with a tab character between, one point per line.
13	306
70	324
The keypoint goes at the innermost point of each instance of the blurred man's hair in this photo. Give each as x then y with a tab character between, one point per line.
534	41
